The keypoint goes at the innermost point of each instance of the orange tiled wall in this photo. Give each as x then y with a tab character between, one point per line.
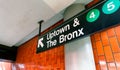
27	59
106	48
92	3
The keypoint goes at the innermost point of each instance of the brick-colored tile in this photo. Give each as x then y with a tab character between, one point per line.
99	48
102	63
97	36
98	67
94	45
114	44
93	41
112	66
108	54
117	30
111	32
117	60
92	38
104	38
95	56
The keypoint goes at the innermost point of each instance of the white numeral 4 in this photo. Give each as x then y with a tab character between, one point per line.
92	15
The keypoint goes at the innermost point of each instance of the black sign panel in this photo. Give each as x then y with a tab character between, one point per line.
101	16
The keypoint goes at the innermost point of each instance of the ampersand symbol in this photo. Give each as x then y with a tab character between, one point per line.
76	22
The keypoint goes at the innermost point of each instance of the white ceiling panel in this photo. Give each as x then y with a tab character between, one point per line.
19	18
58	5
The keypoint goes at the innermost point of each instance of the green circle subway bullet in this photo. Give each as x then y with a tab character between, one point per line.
93	15
111	6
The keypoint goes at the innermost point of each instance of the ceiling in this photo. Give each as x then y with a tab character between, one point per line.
19	18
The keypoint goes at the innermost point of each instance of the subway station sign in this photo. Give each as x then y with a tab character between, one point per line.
99	17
